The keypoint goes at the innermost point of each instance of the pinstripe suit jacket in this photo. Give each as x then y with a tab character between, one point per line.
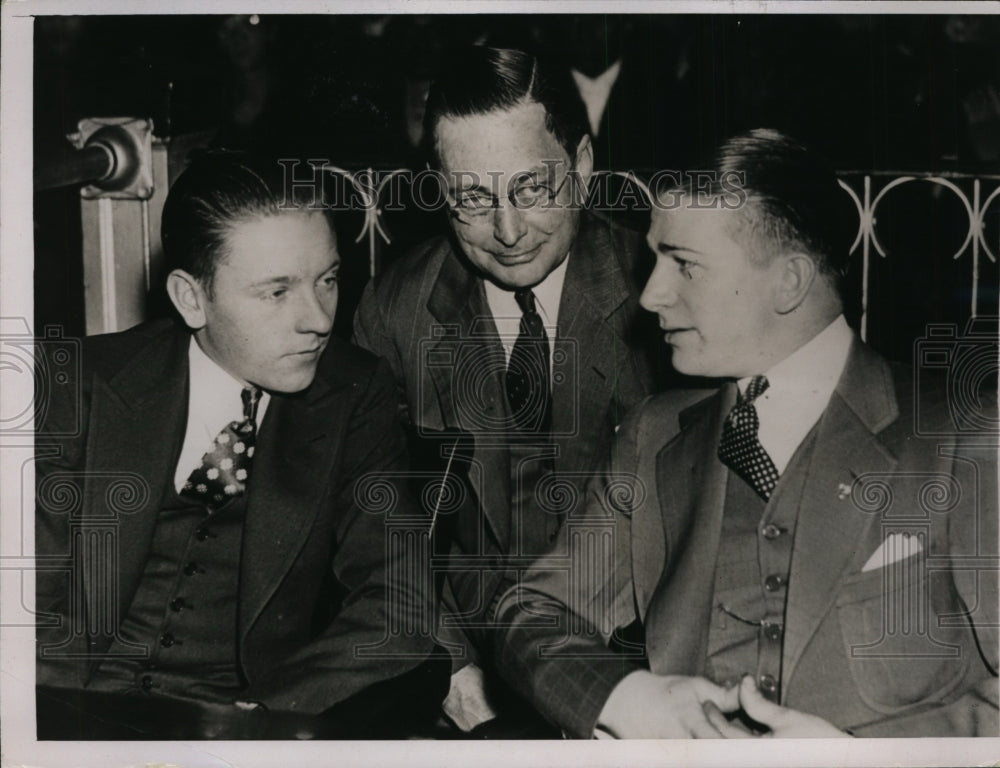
428	316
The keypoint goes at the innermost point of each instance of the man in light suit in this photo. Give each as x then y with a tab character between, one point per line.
513	341
213	562
812	549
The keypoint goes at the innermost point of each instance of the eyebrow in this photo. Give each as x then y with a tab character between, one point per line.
666	248
286	280
538	170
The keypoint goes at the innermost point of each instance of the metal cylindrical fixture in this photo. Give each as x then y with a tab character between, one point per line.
89	165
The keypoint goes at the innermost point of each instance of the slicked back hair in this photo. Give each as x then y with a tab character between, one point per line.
481	80
793	201
217	191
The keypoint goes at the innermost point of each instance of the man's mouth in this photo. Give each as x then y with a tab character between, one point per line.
671	332
311	352
520	257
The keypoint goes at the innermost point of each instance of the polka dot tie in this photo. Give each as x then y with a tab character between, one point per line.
527	381
740	449
225	468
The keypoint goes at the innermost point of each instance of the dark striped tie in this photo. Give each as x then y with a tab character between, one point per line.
527	381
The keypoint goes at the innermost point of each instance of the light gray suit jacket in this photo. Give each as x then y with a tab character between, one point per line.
908	649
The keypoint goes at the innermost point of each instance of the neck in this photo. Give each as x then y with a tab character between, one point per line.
797	329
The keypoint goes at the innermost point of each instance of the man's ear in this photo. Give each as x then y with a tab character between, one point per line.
797	273
188	296
583	169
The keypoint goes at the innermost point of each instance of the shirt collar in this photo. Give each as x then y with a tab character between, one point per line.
799	390
548	295
815	367
214	398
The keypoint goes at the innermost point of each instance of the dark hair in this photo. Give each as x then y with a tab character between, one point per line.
792	200
217	191
482	80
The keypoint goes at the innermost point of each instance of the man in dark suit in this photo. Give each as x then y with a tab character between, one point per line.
812	549
214	557
513	341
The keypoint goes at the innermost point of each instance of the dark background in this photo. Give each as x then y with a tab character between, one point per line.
873	93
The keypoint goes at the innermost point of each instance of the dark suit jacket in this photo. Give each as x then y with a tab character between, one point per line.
903	650
428	316
316	584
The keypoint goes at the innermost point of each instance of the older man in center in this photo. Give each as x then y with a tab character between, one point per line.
512	338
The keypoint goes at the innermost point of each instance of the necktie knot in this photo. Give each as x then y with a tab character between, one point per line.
757	386
525	299
251	398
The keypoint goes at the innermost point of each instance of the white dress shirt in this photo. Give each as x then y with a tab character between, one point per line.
800	387
507	314
214	400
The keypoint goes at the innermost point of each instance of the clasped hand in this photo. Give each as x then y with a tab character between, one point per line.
648	706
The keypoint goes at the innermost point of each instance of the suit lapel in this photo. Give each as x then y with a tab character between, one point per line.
467	374
291	471
590	340
137	419
691	484
829	525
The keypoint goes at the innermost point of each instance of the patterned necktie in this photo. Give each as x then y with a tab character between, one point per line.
225	468
740	449
528	391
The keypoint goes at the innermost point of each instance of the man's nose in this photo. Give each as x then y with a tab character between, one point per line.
508	224
316	313
660	290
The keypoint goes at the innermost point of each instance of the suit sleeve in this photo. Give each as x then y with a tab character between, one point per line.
381	560
554	627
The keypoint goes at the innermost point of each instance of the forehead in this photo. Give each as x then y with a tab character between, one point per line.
502	141
704	230
286	241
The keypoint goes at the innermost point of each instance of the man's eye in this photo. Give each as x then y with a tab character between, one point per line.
685	267
330	281
529	193
277	293
473	202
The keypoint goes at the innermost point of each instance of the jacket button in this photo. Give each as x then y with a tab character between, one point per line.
191	569
167	640
771	531
178	604
202	533
767	683
774	582
146	683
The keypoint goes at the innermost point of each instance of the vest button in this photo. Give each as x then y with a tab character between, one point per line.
146	683
774	582
167	640
202	533
177	604
771	531
191	569
772	631
767	683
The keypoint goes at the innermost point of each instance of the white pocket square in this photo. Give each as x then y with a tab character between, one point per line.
897	546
